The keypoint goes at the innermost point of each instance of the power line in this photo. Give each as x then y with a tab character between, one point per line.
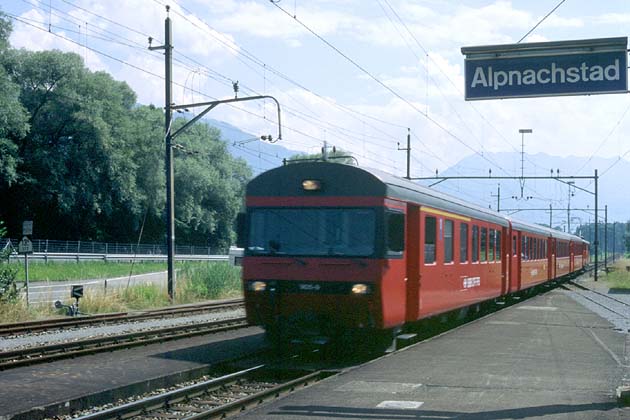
392	91
439	67
541	21
612	130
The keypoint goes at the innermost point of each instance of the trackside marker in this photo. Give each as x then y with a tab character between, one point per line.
401	405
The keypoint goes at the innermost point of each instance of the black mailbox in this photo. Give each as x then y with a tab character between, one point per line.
77	291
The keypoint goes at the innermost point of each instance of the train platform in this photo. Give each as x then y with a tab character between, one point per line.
42	390
545	358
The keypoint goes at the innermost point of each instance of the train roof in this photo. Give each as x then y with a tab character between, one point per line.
343	179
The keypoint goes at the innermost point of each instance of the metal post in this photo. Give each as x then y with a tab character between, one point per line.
408	153
614	240
498	196
606	238
408	150
569	208
26	276
596	241
168	160
550	216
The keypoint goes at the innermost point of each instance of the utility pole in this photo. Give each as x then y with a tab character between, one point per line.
614	240
523	131
596	241
498	196
171	135
408	150
570	183
606	238
550	216
168	161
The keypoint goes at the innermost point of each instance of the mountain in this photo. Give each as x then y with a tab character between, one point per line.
540	194
536	194
260	155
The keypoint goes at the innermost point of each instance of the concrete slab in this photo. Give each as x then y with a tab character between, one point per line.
548	357
26	388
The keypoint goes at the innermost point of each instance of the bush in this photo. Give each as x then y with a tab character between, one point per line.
9	291
212	280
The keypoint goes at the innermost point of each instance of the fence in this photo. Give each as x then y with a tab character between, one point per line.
83	247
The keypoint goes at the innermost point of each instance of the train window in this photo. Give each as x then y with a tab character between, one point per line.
475	243
429	239
491	245
535	249
484	244
463	242
497	254
524	248
316	231
395	233
448	241
514	245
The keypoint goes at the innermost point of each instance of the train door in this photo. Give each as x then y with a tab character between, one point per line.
505	259
515	261
571	257
549	256
552	252
413	275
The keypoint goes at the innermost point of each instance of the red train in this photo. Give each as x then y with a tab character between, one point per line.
332	249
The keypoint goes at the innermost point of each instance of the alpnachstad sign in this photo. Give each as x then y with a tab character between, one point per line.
582	67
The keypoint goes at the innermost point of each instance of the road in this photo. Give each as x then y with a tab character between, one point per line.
49	292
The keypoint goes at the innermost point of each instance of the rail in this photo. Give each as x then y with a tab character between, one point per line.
117	317
69	349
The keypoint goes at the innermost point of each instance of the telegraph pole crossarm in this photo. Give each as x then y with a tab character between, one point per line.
212	104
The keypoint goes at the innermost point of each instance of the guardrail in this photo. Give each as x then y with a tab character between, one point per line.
90	247
233	257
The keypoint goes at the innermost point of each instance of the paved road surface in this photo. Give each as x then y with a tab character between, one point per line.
50	291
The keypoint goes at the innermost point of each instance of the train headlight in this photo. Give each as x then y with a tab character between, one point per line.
257	286
360	289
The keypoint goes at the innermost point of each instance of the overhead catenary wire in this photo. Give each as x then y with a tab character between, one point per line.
182	59
446	76
384	85
541	21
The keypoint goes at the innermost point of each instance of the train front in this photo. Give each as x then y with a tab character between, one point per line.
315	251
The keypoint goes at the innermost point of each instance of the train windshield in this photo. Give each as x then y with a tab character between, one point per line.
312	232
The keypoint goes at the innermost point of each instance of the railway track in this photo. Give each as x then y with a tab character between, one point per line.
609	303
70	349
119	317
214	398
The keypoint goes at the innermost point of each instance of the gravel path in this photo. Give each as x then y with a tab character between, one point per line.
615	311
65	335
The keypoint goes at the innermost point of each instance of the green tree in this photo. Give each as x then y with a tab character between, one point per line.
335	155
76	170
13	116
84	161
209	186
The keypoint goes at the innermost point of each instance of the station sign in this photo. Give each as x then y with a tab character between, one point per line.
581	67
27	227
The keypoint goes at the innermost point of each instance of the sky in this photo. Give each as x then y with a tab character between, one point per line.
355	74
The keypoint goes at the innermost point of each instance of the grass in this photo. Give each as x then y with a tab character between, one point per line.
61	271
195	282
620	277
